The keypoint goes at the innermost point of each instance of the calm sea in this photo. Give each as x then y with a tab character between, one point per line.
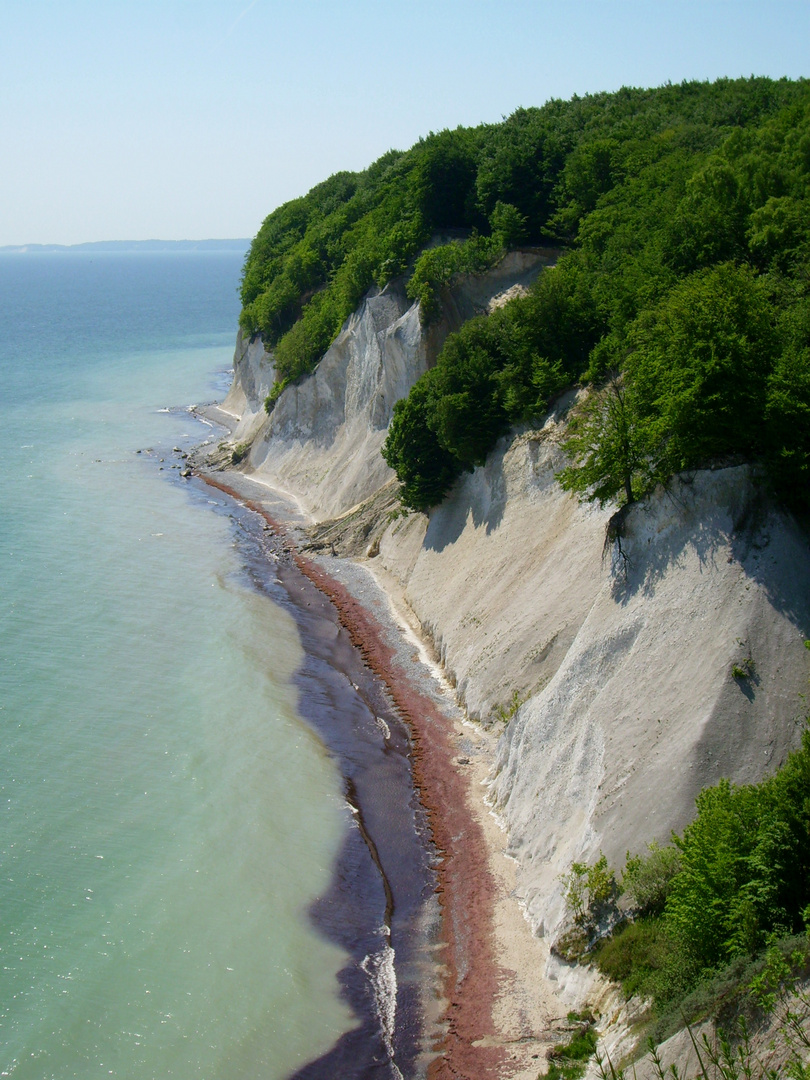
166	817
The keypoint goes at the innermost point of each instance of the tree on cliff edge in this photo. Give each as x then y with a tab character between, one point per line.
693	389
607	448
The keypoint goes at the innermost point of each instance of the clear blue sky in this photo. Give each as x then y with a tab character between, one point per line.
186	119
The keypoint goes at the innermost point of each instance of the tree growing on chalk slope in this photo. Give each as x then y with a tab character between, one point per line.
694	389
734	886
412	449
699	364
607	446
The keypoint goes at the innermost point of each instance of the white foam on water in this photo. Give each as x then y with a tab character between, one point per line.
380	969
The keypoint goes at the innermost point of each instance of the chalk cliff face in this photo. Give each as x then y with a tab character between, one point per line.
623	667
253	376
322	441
610	674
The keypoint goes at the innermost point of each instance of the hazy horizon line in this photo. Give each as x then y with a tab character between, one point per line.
212	243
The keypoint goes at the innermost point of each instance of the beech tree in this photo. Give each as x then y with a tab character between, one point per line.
698	367
425	469
608	448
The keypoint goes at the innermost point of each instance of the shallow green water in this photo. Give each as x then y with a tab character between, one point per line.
165	818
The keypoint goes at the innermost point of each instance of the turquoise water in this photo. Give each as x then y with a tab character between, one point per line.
165	817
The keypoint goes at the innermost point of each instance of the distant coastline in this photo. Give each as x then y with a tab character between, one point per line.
149	247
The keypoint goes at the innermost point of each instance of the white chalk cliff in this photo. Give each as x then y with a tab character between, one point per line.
621	663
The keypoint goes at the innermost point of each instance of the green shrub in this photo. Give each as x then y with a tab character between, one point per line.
588	888
425	469
735	883
568	1060
744	670
276	390
744	864
647	878
647	959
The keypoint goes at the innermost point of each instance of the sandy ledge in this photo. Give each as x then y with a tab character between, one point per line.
497	1014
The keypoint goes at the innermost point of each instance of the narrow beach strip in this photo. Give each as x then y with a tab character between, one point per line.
467	1044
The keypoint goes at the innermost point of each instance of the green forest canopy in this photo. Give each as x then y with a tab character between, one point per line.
682	296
